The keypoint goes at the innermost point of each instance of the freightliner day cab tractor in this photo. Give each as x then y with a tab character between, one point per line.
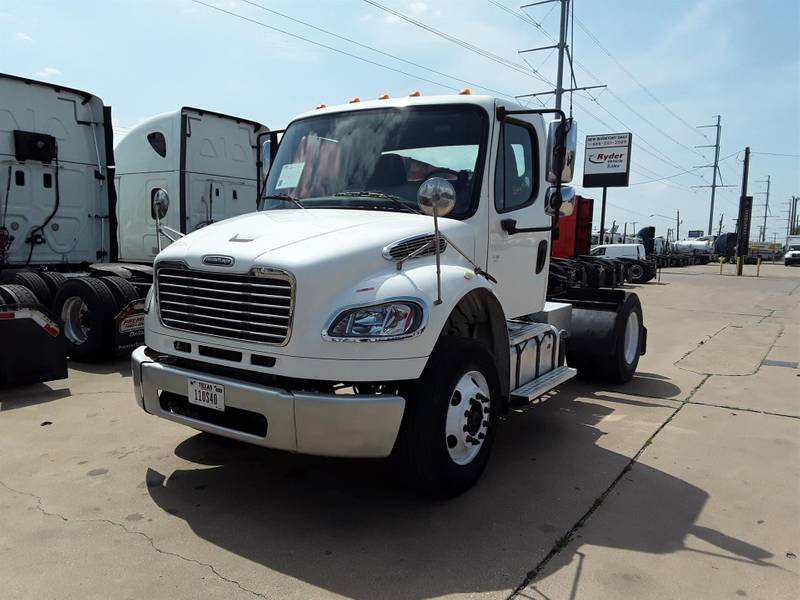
76	250
389	296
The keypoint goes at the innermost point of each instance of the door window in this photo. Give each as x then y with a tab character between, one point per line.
515	173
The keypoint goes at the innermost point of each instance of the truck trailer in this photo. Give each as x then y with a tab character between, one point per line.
77	239
390	297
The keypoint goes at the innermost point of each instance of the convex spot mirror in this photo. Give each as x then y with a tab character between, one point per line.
436	194
159	200
570	147
563	203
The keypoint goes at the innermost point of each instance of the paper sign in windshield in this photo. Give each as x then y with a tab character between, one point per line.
290	175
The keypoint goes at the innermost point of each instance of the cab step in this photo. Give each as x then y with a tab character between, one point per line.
536	387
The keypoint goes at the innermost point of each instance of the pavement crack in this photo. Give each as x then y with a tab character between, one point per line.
209	566
739	408
564	541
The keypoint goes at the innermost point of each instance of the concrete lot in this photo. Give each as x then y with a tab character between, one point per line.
683	484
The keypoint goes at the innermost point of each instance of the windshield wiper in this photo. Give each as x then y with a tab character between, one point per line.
381	196
285	198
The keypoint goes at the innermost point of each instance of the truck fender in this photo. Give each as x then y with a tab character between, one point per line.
479	315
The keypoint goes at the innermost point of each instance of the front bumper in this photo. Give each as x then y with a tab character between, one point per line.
791	260
298	421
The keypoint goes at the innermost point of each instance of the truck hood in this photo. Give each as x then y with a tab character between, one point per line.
289	237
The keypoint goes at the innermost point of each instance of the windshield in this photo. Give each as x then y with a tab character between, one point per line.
358	159
794	248
598	252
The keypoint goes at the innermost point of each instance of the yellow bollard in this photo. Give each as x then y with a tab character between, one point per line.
758	266
720	264
739	265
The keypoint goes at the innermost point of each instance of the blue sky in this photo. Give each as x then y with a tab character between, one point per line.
737	58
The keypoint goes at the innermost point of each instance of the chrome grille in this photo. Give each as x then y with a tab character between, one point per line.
242	307
403	248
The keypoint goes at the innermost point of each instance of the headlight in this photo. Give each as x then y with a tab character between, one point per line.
391	320
148	300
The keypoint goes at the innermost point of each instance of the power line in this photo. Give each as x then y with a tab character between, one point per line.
655	151
320	44
662	178
373	49
622	67
464	44
777	154
628	106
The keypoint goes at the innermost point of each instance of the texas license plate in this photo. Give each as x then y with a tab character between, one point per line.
210	395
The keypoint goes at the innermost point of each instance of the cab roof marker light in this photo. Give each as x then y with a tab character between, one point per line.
321	105
354	100
465	92
415	94
383	97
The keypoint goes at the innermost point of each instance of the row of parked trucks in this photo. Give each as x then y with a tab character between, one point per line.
377	282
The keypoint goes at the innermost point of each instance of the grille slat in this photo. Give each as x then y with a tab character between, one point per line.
233	306
168	285
171	303
163	295
196	280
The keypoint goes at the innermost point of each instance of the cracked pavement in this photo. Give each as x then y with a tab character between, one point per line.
684	483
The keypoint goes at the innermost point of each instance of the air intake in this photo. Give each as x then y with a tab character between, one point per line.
414	247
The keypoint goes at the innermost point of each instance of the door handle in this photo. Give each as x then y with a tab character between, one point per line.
510	227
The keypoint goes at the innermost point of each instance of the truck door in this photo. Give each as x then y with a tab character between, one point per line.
519	260
221	167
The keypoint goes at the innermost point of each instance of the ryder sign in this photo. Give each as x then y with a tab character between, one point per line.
607	160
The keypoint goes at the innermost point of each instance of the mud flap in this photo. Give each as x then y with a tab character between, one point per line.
32	346
129	327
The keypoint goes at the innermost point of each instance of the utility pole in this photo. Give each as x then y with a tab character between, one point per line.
791	222
719	231
563	51
715	166
740	229
678	227
763	236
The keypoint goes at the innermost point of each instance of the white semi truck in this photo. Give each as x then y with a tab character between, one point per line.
76	239
389	296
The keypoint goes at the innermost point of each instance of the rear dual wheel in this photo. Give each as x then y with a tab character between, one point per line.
607	344
87	307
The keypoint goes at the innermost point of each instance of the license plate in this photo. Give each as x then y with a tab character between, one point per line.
210	395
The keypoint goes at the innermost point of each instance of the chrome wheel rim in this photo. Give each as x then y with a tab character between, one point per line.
631	340
468	414
73	313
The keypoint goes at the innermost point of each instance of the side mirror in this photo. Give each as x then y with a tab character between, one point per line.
569	143
159	203
436	196
562	203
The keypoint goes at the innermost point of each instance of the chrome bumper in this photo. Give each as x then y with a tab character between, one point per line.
305	422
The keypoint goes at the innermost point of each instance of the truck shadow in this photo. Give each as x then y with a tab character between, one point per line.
117	365
30	395
353	528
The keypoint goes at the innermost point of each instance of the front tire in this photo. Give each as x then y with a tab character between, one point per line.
451	418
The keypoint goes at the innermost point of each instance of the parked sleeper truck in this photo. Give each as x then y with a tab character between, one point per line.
76	250
389	296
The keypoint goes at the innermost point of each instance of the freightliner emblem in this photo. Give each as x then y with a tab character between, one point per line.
218	261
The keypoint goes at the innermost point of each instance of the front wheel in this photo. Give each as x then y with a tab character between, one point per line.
451	417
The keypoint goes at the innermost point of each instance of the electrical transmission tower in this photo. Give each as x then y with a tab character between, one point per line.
564	51
715	166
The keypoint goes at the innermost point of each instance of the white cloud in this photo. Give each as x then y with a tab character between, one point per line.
21	36
418	8
47	72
